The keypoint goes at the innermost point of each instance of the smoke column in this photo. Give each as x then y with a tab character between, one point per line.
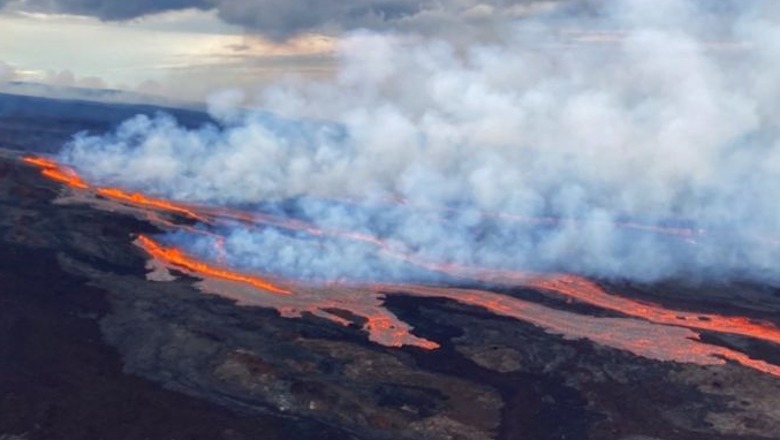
637	141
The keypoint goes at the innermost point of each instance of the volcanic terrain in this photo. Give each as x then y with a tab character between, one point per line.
108	332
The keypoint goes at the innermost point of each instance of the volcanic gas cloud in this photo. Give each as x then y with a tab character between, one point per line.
637	142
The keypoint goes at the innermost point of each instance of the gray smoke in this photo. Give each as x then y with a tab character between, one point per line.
655	113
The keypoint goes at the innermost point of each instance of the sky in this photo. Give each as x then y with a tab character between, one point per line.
188	48
183	54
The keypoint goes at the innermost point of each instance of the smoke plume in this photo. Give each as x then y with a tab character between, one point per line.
639	142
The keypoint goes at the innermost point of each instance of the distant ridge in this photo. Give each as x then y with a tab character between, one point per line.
44	124
118	96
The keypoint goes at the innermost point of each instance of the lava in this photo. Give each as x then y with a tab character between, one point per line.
652	331
322	301
63	177
69	177
177	258
586	291
40	162
57	172
653	341
643	338
141	200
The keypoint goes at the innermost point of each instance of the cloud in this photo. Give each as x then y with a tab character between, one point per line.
109	9
57	78
7	72
584	149
283	19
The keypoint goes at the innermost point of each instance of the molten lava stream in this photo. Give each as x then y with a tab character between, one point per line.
40	162
583	290
580	289
138	199
55	172
177	258
652	341
69	177
568	285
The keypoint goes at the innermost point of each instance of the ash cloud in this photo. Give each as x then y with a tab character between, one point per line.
557	148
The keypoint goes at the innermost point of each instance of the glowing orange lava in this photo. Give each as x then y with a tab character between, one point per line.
571	286
177	258
646	339
57	172
40	162
653	341
69	177
141	200
586	291
660	333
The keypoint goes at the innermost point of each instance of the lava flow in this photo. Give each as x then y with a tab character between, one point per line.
58	173
646	339
69	177
583	290
178	258
141	200
659	333
586	291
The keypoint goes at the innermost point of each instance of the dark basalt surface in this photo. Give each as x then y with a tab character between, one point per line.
89	349
58	378
44	125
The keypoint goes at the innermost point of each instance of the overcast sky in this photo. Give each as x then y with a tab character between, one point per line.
186	48
185	53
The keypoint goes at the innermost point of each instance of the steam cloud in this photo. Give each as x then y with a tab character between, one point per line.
659	113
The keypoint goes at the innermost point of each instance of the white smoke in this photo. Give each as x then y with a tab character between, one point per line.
659	113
